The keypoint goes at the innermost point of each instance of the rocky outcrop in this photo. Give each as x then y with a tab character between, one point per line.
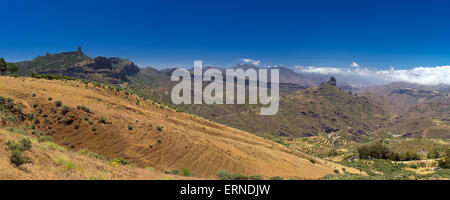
113	70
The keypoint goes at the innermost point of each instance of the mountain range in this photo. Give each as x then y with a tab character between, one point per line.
308	105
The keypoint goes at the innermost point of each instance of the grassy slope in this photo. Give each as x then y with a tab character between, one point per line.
51	161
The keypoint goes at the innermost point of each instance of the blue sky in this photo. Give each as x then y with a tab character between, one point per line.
374	34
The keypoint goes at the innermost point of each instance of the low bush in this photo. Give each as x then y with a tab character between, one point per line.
85	109
276	178
102	120
16	150
45	139
225	175
64	110
121	161
58	103
92	154
185	172
76	125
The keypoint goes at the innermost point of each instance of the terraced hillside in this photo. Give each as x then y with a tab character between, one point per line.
115	124
325	109
424	110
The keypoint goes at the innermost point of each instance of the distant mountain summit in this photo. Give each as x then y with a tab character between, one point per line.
53	61
76	64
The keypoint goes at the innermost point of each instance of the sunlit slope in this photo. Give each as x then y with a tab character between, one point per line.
148	134
49	161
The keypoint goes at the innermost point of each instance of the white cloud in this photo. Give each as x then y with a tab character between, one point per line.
322	70
354	64
420	75
248	60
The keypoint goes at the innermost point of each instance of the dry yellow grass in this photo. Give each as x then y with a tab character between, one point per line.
202	146
50	163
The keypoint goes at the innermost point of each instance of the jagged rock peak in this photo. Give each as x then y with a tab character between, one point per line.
332	81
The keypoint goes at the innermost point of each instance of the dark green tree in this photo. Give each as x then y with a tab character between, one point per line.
3	66
433	154
12	68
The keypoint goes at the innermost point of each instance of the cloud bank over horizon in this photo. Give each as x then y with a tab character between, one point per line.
248	60
418	75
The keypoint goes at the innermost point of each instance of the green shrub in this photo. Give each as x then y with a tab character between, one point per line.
185	172
76	125
150	168
130	127
312	161
255	177
58	103
176	172
276	178
410	155
374	151
64	110
238	176
16	130
17	159
35	105
50	99
223	175
94	129
85	109
23	145
414	166
102	120
91	154
52	77
16	150
20	108
445	163
36	120
45	139
121	161
67	121
65	163
159	128
336	171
